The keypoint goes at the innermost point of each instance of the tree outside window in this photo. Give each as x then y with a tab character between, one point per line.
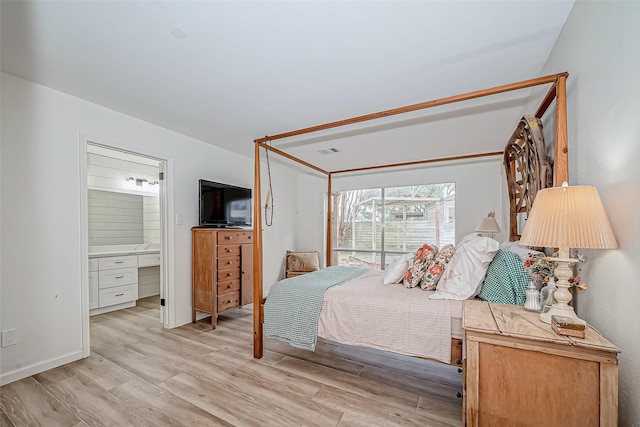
372	227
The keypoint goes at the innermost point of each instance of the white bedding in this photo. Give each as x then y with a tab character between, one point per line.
366	312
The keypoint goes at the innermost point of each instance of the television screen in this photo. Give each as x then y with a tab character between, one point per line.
223	205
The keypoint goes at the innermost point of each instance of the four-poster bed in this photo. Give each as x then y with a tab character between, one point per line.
512	162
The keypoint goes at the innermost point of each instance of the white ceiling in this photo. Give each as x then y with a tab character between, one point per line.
228	72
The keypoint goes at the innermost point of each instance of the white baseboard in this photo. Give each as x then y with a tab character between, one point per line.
200	316
182	321
36	368
186	320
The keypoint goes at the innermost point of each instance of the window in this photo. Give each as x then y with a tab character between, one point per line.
373	227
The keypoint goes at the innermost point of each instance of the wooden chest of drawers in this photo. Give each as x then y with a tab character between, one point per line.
520	372
222	276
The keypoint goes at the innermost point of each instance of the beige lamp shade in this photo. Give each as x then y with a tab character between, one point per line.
568	217
488	225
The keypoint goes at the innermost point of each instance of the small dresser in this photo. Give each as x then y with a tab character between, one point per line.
518	371
222	272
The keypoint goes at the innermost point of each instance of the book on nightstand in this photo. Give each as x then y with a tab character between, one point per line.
568	332
567	326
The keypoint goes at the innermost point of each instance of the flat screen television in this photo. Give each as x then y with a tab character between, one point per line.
224	205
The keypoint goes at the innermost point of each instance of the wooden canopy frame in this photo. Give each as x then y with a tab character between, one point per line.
556	92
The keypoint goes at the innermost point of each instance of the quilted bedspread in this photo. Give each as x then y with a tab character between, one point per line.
366	312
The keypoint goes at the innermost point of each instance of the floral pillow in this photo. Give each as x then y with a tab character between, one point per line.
421	261
436	268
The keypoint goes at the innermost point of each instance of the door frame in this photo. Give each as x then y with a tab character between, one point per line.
167	284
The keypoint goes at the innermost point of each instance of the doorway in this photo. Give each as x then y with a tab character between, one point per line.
124	227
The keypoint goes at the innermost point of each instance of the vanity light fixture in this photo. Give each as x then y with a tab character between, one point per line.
141	181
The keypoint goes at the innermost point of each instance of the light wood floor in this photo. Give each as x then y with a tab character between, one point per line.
143	375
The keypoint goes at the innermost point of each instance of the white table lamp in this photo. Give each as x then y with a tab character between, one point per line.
567	217
488	224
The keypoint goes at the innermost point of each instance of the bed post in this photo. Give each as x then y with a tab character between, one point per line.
561	161
327	260
258	306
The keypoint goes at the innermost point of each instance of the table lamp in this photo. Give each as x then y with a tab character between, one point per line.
567	217
488	224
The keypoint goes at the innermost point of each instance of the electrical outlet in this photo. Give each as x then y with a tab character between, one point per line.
8	338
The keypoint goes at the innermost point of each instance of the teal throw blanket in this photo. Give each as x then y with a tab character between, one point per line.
292	309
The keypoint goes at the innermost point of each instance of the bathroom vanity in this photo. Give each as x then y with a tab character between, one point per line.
120	274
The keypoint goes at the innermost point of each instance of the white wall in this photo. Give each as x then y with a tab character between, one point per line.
108	173
40	218
280	236
599	48
114	218
151	219
111	172
310	214
480	188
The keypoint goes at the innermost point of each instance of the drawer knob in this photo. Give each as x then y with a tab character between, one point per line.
119	262
458	362
227	237
119	295
459	342
119	277
459	370
459	395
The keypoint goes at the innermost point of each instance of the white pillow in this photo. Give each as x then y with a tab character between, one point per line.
468	237
522	251
395	272
462	278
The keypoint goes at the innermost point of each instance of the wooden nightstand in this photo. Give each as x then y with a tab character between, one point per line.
521	373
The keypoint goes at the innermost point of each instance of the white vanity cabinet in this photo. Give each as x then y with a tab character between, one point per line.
112	262
117	277
149	260
93	283
113	283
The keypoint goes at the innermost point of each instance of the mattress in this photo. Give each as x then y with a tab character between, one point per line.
456	319
366	312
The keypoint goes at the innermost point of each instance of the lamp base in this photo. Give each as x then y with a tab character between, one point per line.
562	295
560	310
